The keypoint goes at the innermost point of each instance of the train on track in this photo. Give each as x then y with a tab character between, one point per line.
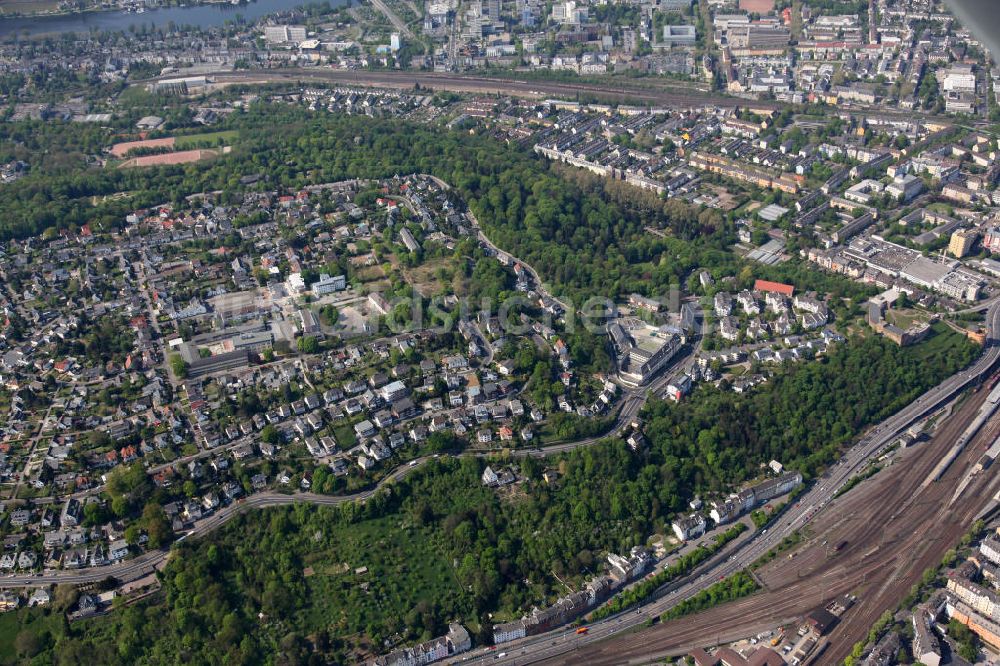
986	411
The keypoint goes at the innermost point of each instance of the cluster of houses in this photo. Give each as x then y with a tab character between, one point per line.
779	305
728	510
226	334
69	545
455	642
11	600
622	570
970	597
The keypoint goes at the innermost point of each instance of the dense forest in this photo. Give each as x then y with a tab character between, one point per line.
438	546
584	234
283	585
314	585
802	417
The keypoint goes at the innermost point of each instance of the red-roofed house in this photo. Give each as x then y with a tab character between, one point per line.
776	287
164	478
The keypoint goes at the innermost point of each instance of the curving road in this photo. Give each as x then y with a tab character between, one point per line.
557	644
563	645
560	642
539	284
631	404
151	560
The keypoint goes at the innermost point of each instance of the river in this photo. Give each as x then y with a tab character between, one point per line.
981	16
204	16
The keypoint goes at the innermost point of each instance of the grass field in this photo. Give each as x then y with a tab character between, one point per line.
941	341
940	207
344	434
424	278
210	138
41	620
369	274
404	567
905	318
134	94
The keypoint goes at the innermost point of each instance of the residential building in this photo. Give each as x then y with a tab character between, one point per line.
926	649
961	242
689	527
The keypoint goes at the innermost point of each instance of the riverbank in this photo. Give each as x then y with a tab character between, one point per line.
50	8
205	14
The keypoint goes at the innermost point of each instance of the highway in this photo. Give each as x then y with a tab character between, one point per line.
894	529
555	645
396	22
564	645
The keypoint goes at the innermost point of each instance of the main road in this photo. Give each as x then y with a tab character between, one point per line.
894	528
563	645
394	19
556	644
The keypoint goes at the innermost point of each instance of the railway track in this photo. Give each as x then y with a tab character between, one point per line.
895	528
